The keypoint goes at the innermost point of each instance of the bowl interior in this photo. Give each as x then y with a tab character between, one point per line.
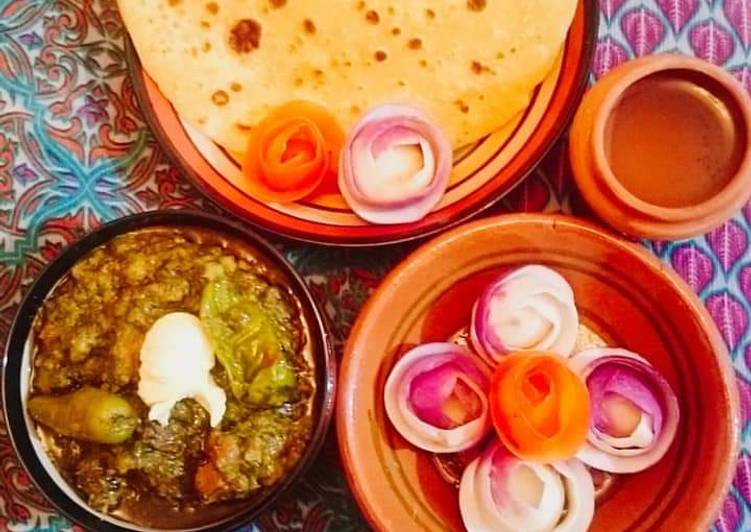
19	355
624	296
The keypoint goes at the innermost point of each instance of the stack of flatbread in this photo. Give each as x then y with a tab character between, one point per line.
469	64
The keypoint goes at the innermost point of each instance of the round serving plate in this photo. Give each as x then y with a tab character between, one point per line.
625	298
18	366
483	172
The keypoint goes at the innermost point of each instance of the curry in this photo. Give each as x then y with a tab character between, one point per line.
85	396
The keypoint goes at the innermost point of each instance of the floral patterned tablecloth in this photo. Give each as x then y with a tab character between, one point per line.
75	152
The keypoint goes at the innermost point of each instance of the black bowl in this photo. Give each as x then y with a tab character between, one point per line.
16	370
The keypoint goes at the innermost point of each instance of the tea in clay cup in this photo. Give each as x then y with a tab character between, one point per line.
660	147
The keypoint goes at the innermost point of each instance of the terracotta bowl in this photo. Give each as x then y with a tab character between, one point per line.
625	297
605	194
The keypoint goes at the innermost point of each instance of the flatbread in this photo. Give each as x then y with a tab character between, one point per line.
470	64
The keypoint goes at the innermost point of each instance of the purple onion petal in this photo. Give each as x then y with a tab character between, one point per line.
611	370
534	288
418	387
384	127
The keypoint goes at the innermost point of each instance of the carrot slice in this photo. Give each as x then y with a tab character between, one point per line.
208	480
292	153
540	408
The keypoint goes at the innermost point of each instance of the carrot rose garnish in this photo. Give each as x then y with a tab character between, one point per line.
540	408
292	152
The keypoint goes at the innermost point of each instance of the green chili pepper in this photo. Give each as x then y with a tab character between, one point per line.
88	414
251	328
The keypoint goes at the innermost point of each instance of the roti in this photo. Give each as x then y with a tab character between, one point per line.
469	64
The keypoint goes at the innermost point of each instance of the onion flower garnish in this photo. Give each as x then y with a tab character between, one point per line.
292	153
635	413
395	165
501	493
540	408
436	398
528	309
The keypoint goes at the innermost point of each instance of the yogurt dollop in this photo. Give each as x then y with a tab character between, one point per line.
176	362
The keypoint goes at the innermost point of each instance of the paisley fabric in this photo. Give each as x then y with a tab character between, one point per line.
75	152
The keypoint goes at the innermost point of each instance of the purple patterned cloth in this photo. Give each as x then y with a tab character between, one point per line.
75	152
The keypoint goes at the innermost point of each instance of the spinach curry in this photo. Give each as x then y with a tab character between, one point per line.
83	394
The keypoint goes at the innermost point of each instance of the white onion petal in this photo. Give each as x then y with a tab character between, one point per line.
620	375
500	493
580	496
420	386
395	165
529	309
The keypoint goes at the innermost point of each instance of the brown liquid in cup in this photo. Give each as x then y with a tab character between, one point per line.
674	141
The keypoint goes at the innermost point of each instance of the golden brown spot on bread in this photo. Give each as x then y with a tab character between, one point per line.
479	68
220	98
205	24
309	26
278	3
391	10
361	5
245	36
430	13
173	3
243	127
380	55
212	7
235	87
372	17
423	63
396	31
206	46
414	44
463	107
476	5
